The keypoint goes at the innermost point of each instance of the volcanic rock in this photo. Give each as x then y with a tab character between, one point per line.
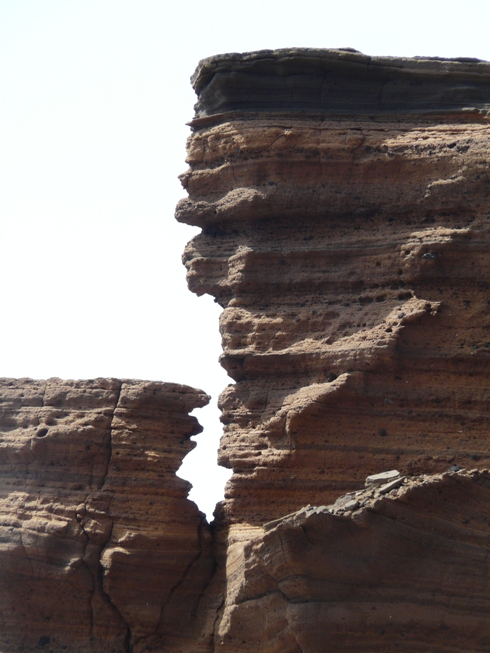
100	548
407	571
344	207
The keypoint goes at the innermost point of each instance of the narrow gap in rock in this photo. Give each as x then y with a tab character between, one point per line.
200	466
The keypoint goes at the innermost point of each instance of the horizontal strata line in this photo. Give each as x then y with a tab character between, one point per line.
338	251
395	449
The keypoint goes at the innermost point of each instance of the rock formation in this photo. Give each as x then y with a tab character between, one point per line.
344	207
400	569
100	548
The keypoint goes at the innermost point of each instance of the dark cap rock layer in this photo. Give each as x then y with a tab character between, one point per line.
343	82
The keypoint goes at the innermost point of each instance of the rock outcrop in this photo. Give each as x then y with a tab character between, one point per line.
404	569
344	207
344	203
100	548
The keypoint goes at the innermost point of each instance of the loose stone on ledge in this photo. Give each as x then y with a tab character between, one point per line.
382	478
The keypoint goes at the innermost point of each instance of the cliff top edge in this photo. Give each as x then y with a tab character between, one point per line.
343	81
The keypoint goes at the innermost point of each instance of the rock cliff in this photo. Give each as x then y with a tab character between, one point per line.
400	569
344	207
100	549
344	203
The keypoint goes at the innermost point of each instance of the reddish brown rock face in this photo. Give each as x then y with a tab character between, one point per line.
100	548
346	235
402	571
345	210
344	206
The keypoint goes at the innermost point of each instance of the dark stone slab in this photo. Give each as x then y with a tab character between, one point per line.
342	82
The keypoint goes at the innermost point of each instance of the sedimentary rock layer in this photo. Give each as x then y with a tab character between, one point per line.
345	210
100	549
345	215
382	570
340	82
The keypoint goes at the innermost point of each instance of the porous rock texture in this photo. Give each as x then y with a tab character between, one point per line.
399	570
100	549
344	207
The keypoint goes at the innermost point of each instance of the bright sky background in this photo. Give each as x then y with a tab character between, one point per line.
94	97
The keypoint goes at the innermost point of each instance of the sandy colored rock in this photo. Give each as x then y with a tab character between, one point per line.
383	477
405	572
100	548
347	239
344	207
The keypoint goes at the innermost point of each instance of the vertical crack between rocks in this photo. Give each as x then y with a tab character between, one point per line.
93	578
176	587
187	570
219	616
111	428
100	568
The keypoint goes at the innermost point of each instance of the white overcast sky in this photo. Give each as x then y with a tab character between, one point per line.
94	97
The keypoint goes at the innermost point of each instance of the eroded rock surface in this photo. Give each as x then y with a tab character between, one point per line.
344	206
344	202
100	549
399	570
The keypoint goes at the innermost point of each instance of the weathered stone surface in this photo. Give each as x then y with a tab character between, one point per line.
344	203
339	82
344	207
100	549
407	571
383	477
348	243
